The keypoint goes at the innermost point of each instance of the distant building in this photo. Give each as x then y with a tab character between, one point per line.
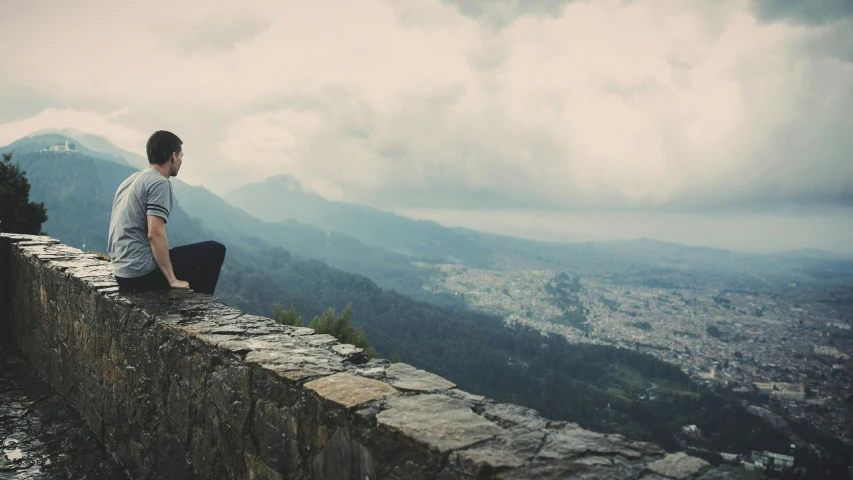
767	460
843	326
62	147
777	461
830	351
729	457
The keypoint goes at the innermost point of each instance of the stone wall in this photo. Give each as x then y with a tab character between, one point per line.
179	385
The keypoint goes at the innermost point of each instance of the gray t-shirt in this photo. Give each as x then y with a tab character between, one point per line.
144	193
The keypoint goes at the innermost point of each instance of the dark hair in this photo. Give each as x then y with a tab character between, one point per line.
161	145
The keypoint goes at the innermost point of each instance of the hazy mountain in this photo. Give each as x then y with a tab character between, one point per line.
479	352
469	348
388	269
813	253
645	261
102	145
384	246
283	198
78	192
68	141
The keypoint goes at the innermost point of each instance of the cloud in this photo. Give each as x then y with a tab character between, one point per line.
809	12
424	15
566	106
213	33
421	152
497	14
87	122
833	43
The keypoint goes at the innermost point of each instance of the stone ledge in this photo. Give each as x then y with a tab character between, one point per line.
178	383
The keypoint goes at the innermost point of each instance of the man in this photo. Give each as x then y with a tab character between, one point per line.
138	245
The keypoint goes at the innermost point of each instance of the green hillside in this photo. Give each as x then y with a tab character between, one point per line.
597	387
45	141
601	388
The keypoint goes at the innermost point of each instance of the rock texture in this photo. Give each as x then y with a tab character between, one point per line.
408	378
41	436
179	385
679	466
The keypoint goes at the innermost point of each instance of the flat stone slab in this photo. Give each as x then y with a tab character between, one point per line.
296	364
377	373
510	451
406	377
350	390
300	331
439	421
573	440
346	350
258	343
320	339
678	465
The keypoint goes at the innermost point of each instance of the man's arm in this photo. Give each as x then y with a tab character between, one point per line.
160	247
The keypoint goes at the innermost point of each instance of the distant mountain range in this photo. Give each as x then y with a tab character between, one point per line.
71	192
292	262
393	250
467	347
646	261
814	253
283	198
389	269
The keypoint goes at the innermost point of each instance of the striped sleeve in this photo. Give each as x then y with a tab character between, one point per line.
159	201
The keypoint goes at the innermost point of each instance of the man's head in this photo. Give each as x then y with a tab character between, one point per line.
164	149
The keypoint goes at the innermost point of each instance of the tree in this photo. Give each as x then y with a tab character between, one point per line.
330	323
339	327
714	331
17	213
287	317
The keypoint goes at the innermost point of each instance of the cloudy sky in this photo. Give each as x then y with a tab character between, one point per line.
715	122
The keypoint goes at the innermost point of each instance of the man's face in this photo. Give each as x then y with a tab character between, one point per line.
175	163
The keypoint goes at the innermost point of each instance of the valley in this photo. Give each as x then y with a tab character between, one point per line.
790	345
639	337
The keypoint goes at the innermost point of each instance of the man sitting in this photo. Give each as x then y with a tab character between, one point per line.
138	246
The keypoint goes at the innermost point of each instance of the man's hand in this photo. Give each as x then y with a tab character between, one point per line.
179	284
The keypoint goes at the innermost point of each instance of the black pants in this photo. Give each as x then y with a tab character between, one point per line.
197	263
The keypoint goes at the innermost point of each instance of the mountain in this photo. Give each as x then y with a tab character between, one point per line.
640	261
813	253
598	387
78	191
103	146
68	141
283	198
479	352
230	223
388	269
388	248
